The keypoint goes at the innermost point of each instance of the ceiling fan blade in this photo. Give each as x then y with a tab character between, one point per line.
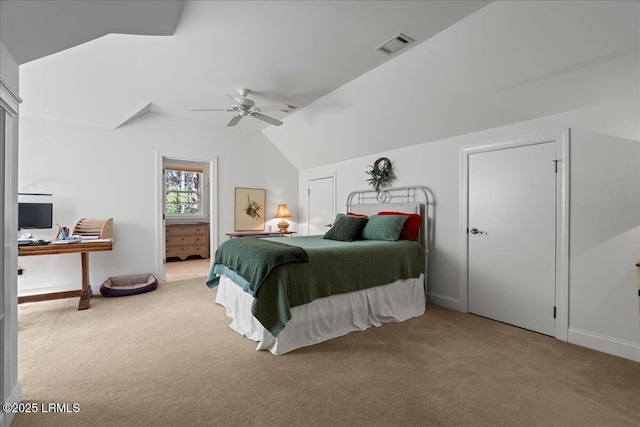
210	109
234	102
267	119
234	120
275	107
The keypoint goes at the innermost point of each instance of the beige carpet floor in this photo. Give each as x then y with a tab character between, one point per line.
168	358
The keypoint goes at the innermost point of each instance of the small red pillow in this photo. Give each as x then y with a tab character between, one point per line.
354	214
411	227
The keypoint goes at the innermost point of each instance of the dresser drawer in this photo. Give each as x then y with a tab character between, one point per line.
185	251
186	240
186	229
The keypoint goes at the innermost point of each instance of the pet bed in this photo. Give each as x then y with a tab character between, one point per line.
128	285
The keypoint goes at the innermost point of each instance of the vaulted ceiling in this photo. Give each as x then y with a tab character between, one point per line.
474	65
37	28
291	52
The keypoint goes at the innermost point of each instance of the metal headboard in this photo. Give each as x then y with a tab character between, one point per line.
413	199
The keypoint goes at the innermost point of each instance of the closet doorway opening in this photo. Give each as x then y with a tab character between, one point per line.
188	212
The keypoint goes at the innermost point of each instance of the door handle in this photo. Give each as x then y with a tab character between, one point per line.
328	225
475	231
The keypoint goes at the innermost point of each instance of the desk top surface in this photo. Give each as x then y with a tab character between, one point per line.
65	249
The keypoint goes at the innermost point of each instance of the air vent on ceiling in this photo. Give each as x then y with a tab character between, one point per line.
393	45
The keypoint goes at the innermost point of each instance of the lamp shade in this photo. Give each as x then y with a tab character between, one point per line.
283	212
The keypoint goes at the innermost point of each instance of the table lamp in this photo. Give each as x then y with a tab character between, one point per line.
283	212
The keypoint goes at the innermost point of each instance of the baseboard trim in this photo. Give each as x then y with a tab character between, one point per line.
605	344
6	418
444	301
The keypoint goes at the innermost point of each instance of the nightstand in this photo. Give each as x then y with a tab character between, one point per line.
240	234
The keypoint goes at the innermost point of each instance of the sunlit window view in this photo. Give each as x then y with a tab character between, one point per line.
183	192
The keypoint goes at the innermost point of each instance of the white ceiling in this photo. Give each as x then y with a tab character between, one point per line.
475	65
36	28
510	62
289	52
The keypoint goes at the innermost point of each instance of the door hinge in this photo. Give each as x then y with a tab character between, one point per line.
555	165
554	311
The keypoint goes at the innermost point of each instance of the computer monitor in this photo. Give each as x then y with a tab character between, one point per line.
35	215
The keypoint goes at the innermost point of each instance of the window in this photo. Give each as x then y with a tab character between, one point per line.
183	191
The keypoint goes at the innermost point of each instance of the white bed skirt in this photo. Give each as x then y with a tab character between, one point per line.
325	318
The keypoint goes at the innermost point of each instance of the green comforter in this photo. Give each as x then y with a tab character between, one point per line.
333	267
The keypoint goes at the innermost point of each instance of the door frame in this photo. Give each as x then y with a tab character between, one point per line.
333	202
10	387
561	140
159	206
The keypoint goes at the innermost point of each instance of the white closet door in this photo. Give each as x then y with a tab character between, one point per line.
321	205
511	239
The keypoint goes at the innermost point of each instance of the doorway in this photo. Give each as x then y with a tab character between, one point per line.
515	232
321	205
207	217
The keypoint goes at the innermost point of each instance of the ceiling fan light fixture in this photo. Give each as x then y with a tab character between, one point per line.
245	102
394	44
244	107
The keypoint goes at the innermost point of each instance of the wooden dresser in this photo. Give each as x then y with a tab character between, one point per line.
183	240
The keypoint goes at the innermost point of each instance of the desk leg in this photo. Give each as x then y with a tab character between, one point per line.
86	292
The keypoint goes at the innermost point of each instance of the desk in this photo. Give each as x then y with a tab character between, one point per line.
260	234
83	248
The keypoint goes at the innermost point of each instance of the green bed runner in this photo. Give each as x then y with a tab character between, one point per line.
334	267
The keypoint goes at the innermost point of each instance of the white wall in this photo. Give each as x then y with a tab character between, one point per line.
604	214
9	69
100	173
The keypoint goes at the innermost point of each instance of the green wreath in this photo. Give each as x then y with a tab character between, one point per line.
381	173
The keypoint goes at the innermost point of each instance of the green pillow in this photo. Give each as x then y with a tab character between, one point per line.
346	228
383	227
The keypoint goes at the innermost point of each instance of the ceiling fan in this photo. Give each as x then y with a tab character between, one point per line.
244	107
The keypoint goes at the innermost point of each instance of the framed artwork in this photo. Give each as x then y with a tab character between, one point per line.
250	204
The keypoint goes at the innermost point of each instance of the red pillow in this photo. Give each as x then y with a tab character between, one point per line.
411	227
354	214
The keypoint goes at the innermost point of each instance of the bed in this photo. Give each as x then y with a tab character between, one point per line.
288	293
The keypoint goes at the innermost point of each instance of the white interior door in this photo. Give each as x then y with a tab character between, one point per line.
321	205
512	232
